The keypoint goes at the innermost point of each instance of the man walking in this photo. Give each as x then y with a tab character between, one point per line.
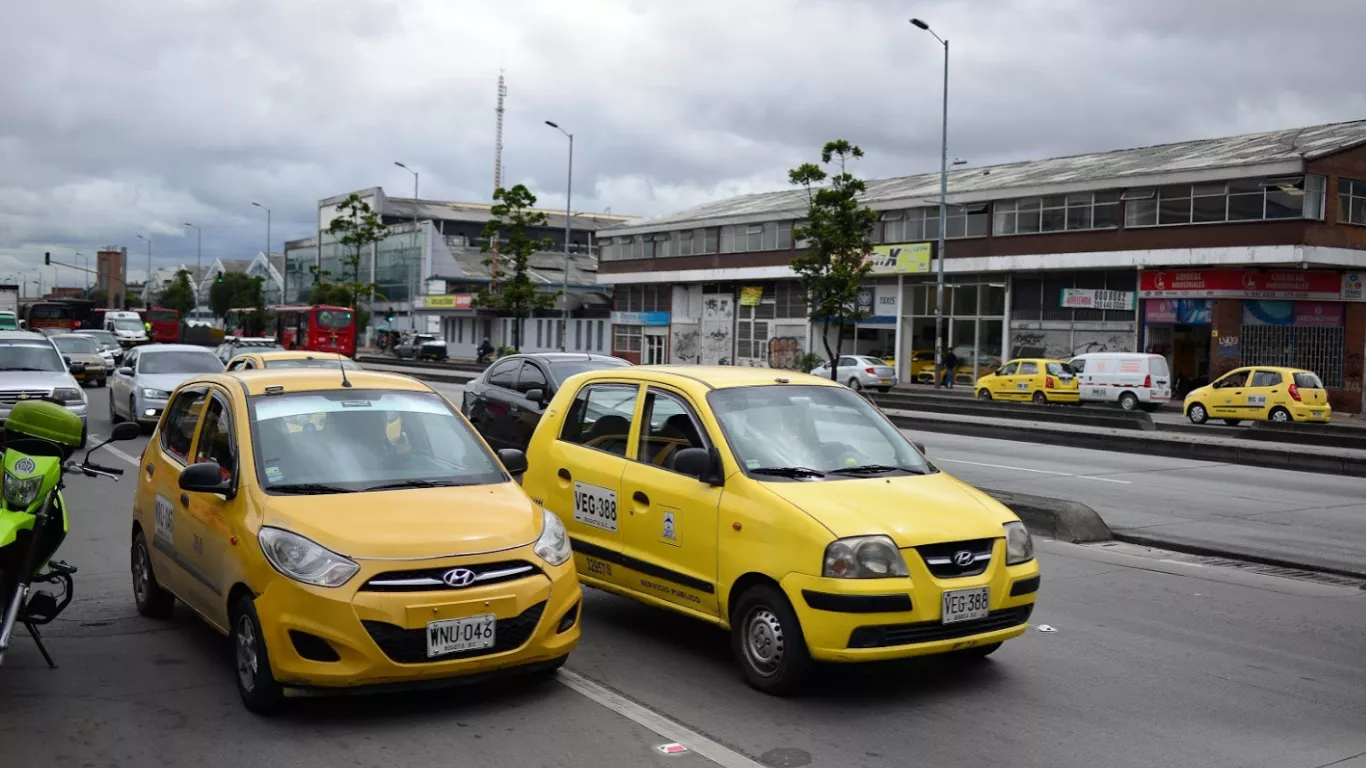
950	364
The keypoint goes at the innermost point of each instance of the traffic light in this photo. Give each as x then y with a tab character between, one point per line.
47	258
389	316
219	279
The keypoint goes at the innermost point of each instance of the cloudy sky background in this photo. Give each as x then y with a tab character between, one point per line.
133	117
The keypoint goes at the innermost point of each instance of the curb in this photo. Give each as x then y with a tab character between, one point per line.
1189	547
1069	521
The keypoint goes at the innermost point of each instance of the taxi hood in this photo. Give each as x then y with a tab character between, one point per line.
411	522
912	509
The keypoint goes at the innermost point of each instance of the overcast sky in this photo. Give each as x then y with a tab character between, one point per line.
133	117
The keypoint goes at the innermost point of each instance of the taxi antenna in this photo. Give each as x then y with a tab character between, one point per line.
345	383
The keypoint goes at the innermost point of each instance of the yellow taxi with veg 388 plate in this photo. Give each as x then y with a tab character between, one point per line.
783	507
347	531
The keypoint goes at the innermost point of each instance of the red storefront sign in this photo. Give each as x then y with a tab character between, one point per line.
1239	284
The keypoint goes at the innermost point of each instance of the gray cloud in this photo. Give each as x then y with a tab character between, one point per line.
134	117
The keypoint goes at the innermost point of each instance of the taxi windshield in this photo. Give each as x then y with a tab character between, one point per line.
365	440
309	362
802	432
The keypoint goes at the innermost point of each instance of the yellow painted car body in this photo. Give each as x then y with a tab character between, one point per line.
1261	393
289	359
207	548
1035	379
602	459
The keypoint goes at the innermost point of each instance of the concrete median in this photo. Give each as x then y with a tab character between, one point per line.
1113	418
1060	519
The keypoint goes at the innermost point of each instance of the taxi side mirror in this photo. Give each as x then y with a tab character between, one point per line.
699	463
204	477
514	461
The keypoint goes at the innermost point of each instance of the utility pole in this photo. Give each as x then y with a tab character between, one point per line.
147	287
417	247
568	199
943	216
198	260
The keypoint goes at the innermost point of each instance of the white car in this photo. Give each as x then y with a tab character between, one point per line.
1128	379
860	372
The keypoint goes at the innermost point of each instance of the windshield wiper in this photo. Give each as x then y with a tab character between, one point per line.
412	484
306	489
788	471
877	469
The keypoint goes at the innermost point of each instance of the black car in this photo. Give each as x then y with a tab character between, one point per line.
506	401
421	346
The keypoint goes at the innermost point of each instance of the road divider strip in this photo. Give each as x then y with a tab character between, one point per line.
1069	521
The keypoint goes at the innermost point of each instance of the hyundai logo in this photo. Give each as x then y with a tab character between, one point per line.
458	577
962	558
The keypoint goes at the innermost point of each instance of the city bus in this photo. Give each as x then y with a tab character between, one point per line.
49	314
165	324
319	327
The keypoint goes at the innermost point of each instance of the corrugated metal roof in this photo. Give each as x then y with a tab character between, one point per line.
402	208
1118	166
544	267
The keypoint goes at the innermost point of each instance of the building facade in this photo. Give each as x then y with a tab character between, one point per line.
1215	253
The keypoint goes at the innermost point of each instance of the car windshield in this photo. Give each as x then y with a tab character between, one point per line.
333	318
178	361
29	356
818	428
308	362
358	440
75	345
1307	380
103	338
565	369
127	324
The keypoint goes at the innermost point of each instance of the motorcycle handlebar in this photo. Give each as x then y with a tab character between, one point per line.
109	470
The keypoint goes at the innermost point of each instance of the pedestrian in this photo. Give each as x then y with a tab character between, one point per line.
950	364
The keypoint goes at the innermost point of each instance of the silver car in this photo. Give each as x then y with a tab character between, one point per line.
139	389
860	372
30	368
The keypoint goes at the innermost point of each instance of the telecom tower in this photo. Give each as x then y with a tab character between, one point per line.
497	174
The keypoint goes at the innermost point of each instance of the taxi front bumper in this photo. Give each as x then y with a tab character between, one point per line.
857	620
353	637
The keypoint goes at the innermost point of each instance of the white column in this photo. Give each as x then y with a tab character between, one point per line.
901	362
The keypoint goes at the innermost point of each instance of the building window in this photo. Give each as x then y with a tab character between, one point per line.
789	300
1056	213
638	248
643	298
683	242
626	338
1352	202
748	238
662	250
601	325
1291	197
1040	299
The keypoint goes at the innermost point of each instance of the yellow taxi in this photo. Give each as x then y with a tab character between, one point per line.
347	554
1038	380
782	507
1261	393
291	358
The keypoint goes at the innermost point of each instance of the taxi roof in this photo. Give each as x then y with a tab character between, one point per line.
711	376
315	380
295	354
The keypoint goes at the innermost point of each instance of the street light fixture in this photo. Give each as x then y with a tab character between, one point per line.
412	304
943	216
568	216
198	260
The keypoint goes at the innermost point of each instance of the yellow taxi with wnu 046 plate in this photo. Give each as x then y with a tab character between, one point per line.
783	507
1038	380
347	529
1261	393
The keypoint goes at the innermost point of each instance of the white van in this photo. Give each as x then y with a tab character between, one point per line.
1131	379
127	327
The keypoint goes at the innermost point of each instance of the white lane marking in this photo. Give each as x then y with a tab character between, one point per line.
1037	471
130	459
694	741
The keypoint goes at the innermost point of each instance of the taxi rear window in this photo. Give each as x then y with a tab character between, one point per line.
1307	380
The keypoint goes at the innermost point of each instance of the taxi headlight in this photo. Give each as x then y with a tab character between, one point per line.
68	395
863	557
20	492
1019	544
553	545
305	560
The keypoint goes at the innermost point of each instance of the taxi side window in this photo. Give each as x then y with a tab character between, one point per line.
182	417
600	417
503	374
215	440
1029	368
668	428
1235	379
1266	379
1008	369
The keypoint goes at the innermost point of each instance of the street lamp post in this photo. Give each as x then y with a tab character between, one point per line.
943	215
568	216
86	261
198	260
412	303
147	287
283	289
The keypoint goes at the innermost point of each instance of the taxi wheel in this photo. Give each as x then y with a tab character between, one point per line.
251	661
1197	414
152	601
1128	401
984	394
1040	398
768	642
1280	415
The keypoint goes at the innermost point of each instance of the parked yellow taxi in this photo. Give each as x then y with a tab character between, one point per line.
780	506
289	358
346	553
1037	380
1261	393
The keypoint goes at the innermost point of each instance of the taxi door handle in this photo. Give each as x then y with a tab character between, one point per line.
184	499
640	498
564	474
150	470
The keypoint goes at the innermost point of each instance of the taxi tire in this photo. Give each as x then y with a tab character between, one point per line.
1280	415
151	600
984	394
1040	398
763	603
1197	413
265	696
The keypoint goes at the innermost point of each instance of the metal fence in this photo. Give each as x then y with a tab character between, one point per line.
1313	349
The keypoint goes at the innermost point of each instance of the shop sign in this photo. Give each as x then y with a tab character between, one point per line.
1305	314
640	318
751	295
448	301
1096	298
900	259
865	300
1179	311
1240	284
1352	288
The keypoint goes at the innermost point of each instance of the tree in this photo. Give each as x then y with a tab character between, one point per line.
134	302
517	295
236	289
99	296
356	228
179	295
839	233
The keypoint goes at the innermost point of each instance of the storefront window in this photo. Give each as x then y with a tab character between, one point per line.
973	327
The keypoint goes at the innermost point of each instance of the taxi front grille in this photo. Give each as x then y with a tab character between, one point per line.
886	635
945	561
409	646
433	579
12	396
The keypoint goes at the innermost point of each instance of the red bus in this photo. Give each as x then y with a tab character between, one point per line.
165	324
49	314
320	328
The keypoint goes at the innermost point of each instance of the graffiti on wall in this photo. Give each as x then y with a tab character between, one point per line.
718	320
785	352
684	343
1064	343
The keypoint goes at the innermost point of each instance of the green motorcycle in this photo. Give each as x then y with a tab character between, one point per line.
39	438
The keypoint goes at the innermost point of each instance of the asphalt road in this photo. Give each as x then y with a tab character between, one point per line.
1153	661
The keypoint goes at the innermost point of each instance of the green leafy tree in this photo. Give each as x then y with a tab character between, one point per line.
356	228
134	302
99	296
516	296
179	295
839	233
238	290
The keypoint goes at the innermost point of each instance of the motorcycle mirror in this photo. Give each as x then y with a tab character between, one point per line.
125	431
